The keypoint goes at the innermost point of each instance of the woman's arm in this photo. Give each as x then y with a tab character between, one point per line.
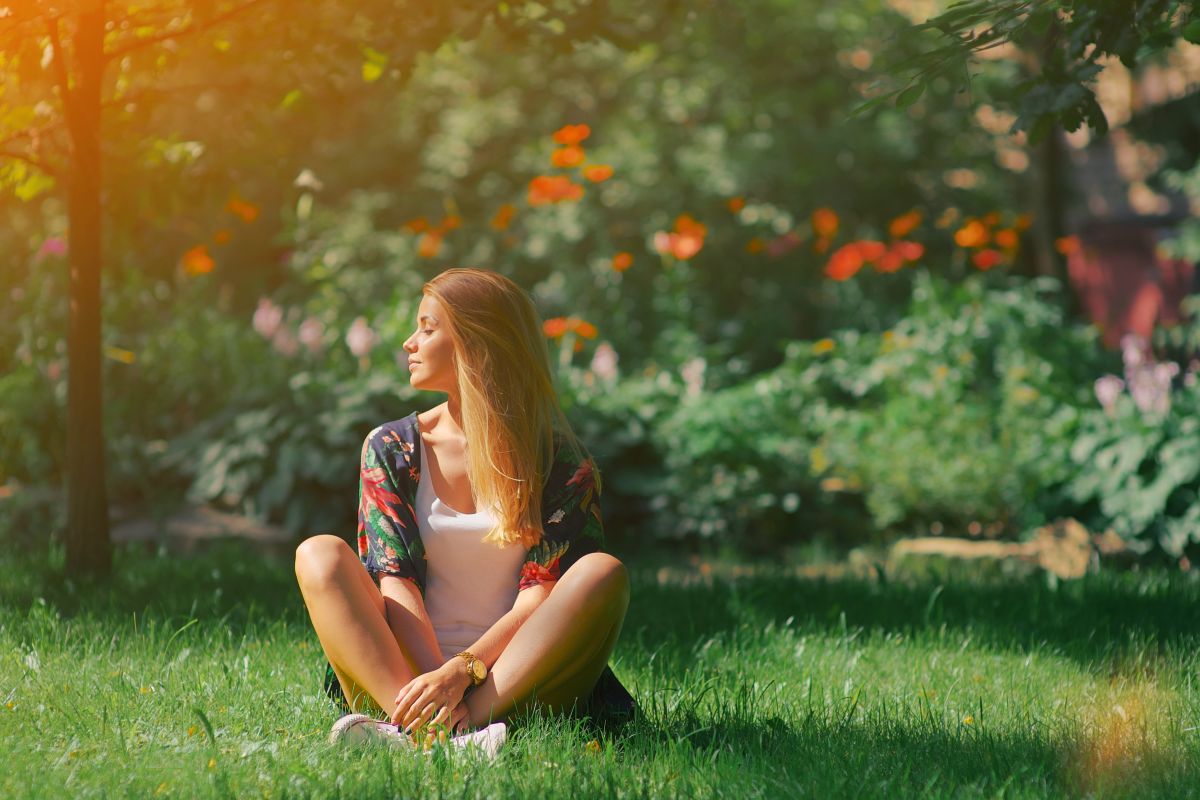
443	687
410	624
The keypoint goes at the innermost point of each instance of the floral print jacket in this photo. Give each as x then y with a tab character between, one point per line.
389	542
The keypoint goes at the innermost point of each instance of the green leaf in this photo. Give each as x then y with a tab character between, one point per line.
1191	31
910	95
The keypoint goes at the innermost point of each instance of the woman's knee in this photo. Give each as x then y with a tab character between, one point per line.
604	575
319	560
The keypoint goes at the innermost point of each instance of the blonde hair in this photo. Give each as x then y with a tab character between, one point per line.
510	410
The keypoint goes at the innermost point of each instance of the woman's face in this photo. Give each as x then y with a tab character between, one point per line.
430	350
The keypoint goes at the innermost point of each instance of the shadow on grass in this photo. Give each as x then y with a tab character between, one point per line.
1093	620
821	756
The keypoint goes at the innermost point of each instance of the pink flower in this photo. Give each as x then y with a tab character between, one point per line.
312	334
54	246
267	318
361	339
604	362
1108	389
285	341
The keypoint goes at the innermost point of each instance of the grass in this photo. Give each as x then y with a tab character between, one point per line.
199	677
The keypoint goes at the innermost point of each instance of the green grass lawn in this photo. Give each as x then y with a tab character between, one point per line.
199	677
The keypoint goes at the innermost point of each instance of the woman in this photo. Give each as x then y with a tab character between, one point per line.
478	587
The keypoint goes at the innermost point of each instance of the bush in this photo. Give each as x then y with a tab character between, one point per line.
1137	458
963	412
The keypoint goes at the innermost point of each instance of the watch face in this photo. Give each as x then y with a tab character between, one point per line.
478	670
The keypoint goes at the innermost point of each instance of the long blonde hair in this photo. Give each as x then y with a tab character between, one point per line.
510	410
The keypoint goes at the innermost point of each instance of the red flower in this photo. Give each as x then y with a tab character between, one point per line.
986	259
844	263
583	476
534	573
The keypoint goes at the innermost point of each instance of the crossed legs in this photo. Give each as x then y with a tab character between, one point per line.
552	661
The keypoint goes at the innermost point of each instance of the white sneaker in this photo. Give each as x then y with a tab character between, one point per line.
485	741
362	728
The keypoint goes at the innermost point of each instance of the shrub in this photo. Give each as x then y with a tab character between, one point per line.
1137	458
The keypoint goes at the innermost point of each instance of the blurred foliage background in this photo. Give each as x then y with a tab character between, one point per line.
777	316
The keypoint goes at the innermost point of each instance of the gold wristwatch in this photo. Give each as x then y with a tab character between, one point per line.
476	669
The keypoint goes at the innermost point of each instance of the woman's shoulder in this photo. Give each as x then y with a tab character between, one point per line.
399	435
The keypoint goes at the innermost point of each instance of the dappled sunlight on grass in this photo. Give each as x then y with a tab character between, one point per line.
201	678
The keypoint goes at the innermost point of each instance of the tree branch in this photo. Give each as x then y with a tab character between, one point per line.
188	31
32	161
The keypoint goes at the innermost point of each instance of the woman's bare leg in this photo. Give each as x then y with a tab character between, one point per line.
349	616
562	648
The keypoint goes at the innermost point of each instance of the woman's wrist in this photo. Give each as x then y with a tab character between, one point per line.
458	668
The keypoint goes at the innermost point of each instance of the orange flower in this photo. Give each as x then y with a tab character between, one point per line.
1023	222
1067	245
973	234
429	245
685	225
986	259
572	134
449	223
246	212
546	189
909	251
598	172
825	223
197	261
685	241
819	246
904	224
418	225
991	219
555	327
622	261
735	204
756	245
844	263
222	236
585	329
503	217
1006	238
571	156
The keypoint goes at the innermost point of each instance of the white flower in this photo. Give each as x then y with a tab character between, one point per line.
307	179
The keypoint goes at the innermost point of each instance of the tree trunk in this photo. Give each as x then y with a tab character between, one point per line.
88	551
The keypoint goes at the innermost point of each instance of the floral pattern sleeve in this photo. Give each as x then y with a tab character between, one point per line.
572	525
389	542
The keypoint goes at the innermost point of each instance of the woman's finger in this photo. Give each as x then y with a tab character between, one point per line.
459	718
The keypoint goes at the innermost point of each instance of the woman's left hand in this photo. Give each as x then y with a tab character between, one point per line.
432	697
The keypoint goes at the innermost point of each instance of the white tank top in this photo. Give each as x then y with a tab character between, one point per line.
469	583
